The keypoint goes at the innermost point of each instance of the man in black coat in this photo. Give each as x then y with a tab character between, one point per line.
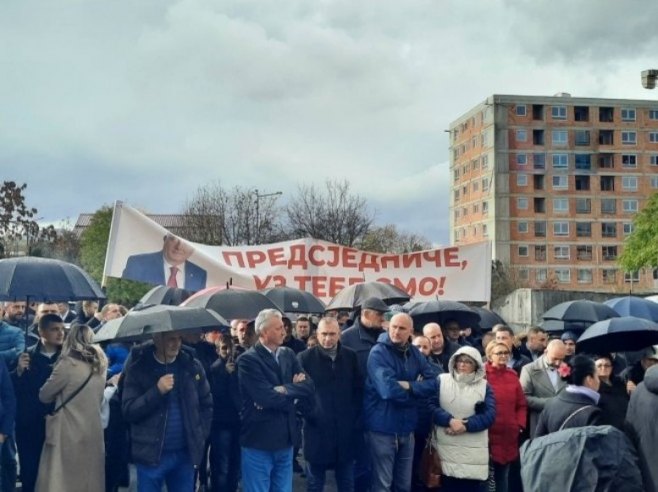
33	369
270	380
329	426
167	402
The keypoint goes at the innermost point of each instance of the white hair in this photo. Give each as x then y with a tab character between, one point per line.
264	317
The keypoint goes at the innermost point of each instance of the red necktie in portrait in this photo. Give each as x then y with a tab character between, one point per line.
172	277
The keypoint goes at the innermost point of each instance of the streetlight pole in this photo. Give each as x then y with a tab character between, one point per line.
258	197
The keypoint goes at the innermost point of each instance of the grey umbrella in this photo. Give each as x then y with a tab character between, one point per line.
352	297
142	323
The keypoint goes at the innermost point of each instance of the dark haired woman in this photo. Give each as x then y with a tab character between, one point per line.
576	406
73	456
614	397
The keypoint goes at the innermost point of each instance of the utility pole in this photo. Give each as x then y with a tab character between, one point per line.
258	197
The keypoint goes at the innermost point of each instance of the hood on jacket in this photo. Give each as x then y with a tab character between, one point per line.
651	379
473	354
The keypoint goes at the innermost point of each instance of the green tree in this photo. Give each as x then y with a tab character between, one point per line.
641	246
93	248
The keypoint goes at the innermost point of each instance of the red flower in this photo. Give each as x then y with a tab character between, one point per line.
564	370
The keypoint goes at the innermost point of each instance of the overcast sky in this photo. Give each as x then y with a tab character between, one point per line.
145	100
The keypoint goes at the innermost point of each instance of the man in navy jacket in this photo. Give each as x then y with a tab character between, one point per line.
270	380
398	375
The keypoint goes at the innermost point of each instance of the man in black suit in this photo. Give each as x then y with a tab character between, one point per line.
167	267
270	379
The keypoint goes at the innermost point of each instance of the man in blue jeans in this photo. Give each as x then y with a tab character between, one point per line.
398	375
167	402
271	380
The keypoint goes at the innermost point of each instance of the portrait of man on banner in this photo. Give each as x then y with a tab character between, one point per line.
170	266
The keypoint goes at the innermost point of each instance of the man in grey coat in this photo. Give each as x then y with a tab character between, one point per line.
642	428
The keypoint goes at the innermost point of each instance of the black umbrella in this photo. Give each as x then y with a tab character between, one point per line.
438	311
231	303
634	306
557	326
291	300
352	297
45	279
580	310
488	319
161	294
618	335
144	322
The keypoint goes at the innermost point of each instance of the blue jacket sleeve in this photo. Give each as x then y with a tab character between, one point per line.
481	421
439	416
427	386
381	372
8	401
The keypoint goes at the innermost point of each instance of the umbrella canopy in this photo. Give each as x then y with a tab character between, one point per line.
488	319
142	323
558	326
161	294
618	335
634	306
652	298
231	303
351	298
291	300
580	310
440	312
45	279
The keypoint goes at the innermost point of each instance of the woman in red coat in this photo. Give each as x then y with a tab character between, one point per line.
511	408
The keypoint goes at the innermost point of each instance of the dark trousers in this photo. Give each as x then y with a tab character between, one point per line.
452	484
362	465
30	442
8	463
316	473
225	459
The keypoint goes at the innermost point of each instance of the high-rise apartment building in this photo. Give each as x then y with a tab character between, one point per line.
554	183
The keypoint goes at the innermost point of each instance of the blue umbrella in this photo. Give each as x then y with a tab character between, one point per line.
618	335
580	310
634	306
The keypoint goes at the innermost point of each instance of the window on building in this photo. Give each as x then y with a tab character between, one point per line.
524	274
561	252
538	137
653	137
583	205
606	161
560	182
563	275
653	114
608	206
628	228
630	206
654	182
582	183
521	110
631	277
629	183
581	113
539	161
584	252
485	161
456	194
581	137
456	213
522	180
475	164
538	112
561	205
559	112
476	208
583	229
607	183
559	137
541	275
456	175
485	208
653	160
521	135
583	161
629	138
627	114
584	275
560	161
561	228
475	186
538	181
539	205
606	137
540	252
522	226
540	228
606	115
522	203
485	184
485	230
521	159
609	275
608	229
628	160
609	253
523	250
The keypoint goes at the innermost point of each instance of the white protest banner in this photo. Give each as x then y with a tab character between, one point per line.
140	249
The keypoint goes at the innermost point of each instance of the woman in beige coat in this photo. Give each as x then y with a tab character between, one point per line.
73	456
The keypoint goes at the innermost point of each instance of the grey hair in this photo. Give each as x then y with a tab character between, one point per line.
264	317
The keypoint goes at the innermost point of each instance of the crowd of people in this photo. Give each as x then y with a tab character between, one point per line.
361	394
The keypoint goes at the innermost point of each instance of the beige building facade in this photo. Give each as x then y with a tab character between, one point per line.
554	184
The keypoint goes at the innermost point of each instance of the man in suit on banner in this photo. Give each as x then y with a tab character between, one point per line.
167	267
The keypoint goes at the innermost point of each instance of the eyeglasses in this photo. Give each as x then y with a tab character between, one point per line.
466	361
501	354
603	366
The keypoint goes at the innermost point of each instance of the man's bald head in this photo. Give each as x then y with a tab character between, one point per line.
555	353
400	328
433	332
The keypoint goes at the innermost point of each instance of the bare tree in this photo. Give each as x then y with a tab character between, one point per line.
334	213
240	216
387	239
